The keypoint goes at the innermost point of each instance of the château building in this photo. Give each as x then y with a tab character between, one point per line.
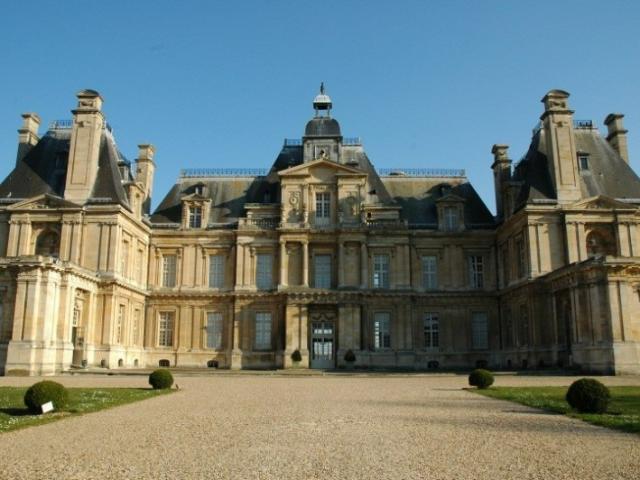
318	255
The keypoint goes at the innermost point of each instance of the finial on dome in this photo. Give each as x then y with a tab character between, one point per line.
322	101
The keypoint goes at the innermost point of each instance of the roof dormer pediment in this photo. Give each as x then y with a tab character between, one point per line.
318	167
601	202
450	198
44	201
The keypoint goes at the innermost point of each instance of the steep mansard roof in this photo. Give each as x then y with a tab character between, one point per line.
44	168
416	195
608	173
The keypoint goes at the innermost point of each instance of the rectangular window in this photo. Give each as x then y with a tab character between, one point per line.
323	208
450	219
264	268
476	271
381	330
263	331
195	217
583	160
431	327
522	260
216	271
322	267
169	263
135	329
165	329
505	265
119	324
429	272
381	271
214	330
479	331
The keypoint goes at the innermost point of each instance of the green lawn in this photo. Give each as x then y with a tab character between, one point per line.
14	414
623	412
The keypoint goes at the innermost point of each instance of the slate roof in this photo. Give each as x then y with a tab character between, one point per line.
44	169
608	173
322	127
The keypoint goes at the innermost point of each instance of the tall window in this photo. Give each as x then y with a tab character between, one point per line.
504	254
381	271
124	258
323	208
216	271
450	219
263	330
431	326
165	329
522	258
135	329
169	263
48	243
322	267
264	269
429	272
479	331
476	271
214	330
195	217
583	161
381	330
523	335
119	323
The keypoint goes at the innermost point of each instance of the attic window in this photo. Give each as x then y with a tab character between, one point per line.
583	162
199	189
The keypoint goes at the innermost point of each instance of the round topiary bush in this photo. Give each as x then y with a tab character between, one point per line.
43	392
588	395
161	379
296	356
349	356
481	378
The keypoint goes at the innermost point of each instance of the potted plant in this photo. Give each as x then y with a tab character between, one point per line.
296	358
350	358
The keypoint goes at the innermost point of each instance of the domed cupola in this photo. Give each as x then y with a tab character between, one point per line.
322	137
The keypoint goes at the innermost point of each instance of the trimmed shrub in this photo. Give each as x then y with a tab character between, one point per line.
481	378
588	395
43	392
349	356
296	356
161	379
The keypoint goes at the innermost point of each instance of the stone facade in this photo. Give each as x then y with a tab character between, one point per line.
322	254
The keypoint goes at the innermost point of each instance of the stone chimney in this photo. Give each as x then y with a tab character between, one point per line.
617	135
86	134
145	168
557	129
501	174
27	134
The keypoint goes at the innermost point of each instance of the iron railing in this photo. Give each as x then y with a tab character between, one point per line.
421	172
223	172
67	124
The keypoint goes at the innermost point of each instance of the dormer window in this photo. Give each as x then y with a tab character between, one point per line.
199	189
195	217
583	162
450	219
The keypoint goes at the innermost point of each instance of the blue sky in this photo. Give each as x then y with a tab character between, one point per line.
220	84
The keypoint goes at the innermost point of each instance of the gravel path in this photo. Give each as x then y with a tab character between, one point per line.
331	427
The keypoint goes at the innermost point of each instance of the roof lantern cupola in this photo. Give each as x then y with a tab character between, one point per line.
322	102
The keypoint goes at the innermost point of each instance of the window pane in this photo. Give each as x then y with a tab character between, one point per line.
169	270
479	330
322	264
323	207
264	264
476	271
450	219
195	217
263	330
216	271
429	272
382	330
214	330
165	330
381	271
431	330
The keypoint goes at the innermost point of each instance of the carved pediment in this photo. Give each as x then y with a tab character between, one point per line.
319	167
450	198
601	202
44	201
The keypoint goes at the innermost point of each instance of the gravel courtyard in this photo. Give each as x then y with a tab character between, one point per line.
324	427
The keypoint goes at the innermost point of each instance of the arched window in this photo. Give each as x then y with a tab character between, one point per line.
600	243
48	243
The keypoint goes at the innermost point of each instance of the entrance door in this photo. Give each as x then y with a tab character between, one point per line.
322	348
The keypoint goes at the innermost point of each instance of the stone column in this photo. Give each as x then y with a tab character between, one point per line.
236	351
305	263
341	264
283	264
364	266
